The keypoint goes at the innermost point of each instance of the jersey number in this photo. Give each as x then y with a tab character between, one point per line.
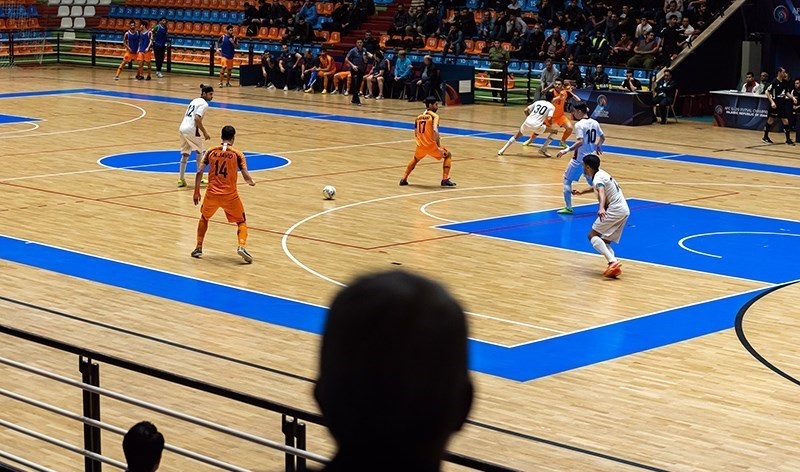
421	126
591	135
539	109
220	169
190	110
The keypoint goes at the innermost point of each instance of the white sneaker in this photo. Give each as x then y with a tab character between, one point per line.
285	88
544	152
499	153
159	74
346	93
271	87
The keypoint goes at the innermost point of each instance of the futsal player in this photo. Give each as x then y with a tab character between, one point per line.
538	116
589	140
131	41
145	50
190	129
559	95
426	132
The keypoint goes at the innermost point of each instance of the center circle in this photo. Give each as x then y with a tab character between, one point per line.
168	161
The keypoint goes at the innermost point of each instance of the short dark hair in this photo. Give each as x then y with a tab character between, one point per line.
228	132
143	445
581	107
593	161
750	73
163	18
206	88
629	71
430	100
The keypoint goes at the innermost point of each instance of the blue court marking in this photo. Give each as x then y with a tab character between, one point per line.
168	161
10	119
722	243
520	363
632	152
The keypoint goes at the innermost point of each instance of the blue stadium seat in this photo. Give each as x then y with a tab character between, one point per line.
33	12
641	74
114	11
137	12
128	12
180	15
572	36
195	16
472	3
205	16
582	69
215	16
224	16
162	12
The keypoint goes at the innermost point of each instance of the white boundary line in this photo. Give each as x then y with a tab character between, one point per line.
700	235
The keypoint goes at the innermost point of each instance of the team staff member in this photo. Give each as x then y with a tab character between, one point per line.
160	38
426	132
224	163
356	62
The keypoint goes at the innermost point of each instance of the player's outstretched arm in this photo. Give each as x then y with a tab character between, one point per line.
578	143
247	178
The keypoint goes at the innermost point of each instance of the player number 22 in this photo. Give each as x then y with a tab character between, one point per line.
220	169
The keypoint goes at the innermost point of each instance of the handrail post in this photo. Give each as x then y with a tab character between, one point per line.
250	53
169	56
504	98
212	54
11	48
90	374
301	444
58	48
288	428
530	76
94	49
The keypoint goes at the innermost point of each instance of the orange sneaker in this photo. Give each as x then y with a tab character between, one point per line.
613	270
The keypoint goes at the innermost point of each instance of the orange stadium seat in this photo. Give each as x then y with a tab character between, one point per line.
263	32
103	23
468	44
430	44
216	29
206	29
320	8
328	8
382	41
205	4
223	5
2	24
336	37
324	35
506	46
477	48
215	4
197	28
238	31
273	34
178	27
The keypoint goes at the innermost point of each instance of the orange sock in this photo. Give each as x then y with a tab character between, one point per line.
446	167
241	232
141	68
202	227
410	167
567	134
119	69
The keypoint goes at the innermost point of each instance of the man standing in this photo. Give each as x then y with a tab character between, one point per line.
356	62
131	41
612	213
190	129
548	77
426	133
538	117
145	50
589	139
160	37
558	96
498	58
224	163
227	45
780	103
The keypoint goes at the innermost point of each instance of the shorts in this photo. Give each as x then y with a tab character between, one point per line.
611	228
130	56
561	121
191	143
146	56
230	204
782	108
527	129
227	63
432	151
575	171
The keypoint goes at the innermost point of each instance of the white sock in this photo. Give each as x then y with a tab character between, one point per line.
547	142
568	193
507	144
184	160
601	247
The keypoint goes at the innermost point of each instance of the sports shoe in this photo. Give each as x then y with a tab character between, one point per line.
790	142
227	84
346	93
565	211
308	90
204	181
499	153
220	84
139	77
766	140
197	253
563	144
285	88
367	96
116	77
159	74
245	255
181	183
324	92
528	142
379	97
544	153
270	87
403	182
148	78
335	92
614	269
448	183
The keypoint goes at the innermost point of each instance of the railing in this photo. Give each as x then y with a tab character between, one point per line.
293	420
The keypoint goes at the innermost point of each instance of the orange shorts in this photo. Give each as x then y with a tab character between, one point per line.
146	56
432	151
231	205
130	56
227	63
561	121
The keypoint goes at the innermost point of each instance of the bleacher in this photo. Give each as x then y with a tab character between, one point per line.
21	19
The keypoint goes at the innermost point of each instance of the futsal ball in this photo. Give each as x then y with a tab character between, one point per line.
329	191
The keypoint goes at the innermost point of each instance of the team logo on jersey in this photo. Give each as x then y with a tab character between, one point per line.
602	101
781	14
719	110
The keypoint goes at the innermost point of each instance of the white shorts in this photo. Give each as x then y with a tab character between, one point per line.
527	129
575	171
611	229
190	142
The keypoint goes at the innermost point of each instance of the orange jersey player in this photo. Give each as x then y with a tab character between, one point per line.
426	132
224	163
559	95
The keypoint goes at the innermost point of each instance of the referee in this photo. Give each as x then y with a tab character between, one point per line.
780	104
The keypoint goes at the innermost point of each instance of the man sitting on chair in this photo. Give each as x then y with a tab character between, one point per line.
664	94
425	80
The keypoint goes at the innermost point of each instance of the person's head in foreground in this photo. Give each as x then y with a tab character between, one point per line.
143	445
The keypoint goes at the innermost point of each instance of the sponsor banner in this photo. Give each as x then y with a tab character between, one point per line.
617	107
780	16
739	110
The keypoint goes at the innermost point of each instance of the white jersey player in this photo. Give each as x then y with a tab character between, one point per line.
612	213
190	129
537	121
589	139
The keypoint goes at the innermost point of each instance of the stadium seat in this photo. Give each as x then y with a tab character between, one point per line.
430	44
66	22
336	37
63	10
89	11
79	23
216	29
76	10
103	23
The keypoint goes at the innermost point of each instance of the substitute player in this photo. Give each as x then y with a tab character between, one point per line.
559	95
190	129
145	50
612	213
131	41
589	140
227	45
538	115
426	132
224	163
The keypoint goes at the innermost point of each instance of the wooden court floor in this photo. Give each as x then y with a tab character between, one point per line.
707	403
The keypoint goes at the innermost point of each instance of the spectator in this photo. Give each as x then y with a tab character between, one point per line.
664	94
405	326
598	79
342	18
644	54
612	29
643	28
702	17
547	14
486	26
305	32
517	51
268	71
579	49
498	59
763	79
431	22
576	15
466	23
750	85
403	70
264	12
279	15
630	83
143	445
554	46
515	24
627	22
250	17
453	41
599	48
621	51
549	75
572	75
308	12
426	80
670	37
370	43
687	33
400	22
290	35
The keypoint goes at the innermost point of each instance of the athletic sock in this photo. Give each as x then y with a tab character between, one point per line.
241	233
601	247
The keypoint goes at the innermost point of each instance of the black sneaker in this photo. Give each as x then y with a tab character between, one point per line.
790	142
197	253
766	140
403	182
139	77
148	78
448	183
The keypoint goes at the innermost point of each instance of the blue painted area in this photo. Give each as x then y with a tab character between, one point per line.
521	363
714	161
169	161
43	93
653	232
10	119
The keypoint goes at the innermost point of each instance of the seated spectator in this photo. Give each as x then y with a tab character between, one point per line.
268	69
599	48
291	34
466	23
279	15
370	43
664	94
454	41
532	43
579	49
572	74
515	24
547	14
345	76
143	446
548	78
554	46
342	18
432	22
264	12
702	17
643	28
485	27
517	51
750	85
379	73
621	51
672	12
400	21
687	33
612	29
289	65
308	12
250	15
627	21
630	83
576	15
514	7
305	32
403	325
427	74
598	79
644	54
